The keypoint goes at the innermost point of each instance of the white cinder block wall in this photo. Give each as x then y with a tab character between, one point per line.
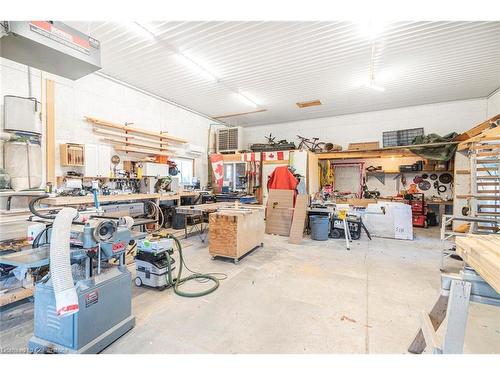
494	104
99	97
438	118
441	118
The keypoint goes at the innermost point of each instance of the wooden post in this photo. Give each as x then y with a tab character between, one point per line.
50	139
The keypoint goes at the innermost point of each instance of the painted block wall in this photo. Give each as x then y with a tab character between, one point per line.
493	104
438	118
99	97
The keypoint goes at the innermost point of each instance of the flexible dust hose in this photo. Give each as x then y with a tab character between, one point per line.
179	281
60	263
34	211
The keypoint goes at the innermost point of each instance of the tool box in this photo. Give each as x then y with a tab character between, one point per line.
418	210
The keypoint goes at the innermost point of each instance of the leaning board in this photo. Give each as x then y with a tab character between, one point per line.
482	252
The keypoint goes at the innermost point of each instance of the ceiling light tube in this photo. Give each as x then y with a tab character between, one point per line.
246	100
142	30
372	85
194	66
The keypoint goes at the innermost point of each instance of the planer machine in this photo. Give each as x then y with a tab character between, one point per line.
84	303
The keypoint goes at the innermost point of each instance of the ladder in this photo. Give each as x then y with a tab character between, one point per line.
485	184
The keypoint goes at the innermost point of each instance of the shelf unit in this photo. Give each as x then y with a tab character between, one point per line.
129	139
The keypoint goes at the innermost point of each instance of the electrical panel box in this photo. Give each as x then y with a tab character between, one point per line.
229	139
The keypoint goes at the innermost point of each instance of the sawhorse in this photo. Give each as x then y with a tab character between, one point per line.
457	290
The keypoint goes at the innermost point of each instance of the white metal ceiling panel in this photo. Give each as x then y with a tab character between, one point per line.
278	64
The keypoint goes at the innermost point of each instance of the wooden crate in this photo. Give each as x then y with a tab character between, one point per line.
233	233
362	146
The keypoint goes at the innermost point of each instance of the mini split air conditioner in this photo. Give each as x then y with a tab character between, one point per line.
229	139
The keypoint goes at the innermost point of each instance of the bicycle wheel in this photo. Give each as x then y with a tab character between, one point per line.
320	146
328	146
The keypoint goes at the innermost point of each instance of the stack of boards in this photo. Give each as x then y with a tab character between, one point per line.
482	252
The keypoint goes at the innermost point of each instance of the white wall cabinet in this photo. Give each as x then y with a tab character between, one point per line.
154	169
97	160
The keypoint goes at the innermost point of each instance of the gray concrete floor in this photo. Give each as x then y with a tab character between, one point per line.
311	298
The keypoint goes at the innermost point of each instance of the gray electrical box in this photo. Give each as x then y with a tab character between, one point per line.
22	115
50	46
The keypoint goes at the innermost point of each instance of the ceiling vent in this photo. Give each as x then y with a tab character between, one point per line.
311	103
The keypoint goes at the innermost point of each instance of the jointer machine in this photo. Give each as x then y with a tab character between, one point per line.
83	303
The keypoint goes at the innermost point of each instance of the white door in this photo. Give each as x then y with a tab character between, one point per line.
91	160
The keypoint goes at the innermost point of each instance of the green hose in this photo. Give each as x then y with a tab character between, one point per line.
179	281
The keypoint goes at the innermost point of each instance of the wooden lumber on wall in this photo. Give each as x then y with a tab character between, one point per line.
131	129
50	136
476	130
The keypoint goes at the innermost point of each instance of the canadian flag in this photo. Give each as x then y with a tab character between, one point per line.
275	155
217	161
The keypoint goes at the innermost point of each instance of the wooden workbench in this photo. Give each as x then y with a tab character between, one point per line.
89	199
233	232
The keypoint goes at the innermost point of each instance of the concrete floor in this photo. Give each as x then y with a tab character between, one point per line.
311	298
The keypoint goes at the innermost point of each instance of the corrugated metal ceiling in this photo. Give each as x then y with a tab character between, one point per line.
278	64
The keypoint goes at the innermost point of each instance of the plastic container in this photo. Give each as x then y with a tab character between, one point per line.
320	227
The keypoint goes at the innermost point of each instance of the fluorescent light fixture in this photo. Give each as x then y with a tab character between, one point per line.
372	29
142	30
196	67
372	85
244	99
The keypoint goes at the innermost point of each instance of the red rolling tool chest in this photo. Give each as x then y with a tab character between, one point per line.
418	210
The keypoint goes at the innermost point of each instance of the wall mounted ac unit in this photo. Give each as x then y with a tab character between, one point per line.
229	139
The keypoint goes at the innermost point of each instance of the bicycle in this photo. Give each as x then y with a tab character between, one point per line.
313	145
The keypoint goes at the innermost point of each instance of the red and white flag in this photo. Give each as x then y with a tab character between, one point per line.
250	156
275	155
218	167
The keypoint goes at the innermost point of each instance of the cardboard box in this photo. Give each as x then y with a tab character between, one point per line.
363	146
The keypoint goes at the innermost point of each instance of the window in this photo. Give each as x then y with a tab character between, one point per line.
233	172
185	167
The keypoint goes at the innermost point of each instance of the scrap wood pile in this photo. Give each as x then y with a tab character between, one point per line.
482	252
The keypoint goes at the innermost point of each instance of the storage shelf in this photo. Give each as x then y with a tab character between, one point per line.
398	172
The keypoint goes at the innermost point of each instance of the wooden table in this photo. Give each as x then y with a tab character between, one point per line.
234	232
89	199
441	207
199	210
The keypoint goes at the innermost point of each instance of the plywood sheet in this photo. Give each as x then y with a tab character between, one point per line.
280	198
299	219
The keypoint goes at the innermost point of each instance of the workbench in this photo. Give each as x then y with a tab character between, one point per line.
234	232
88	199
441	207
198	211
